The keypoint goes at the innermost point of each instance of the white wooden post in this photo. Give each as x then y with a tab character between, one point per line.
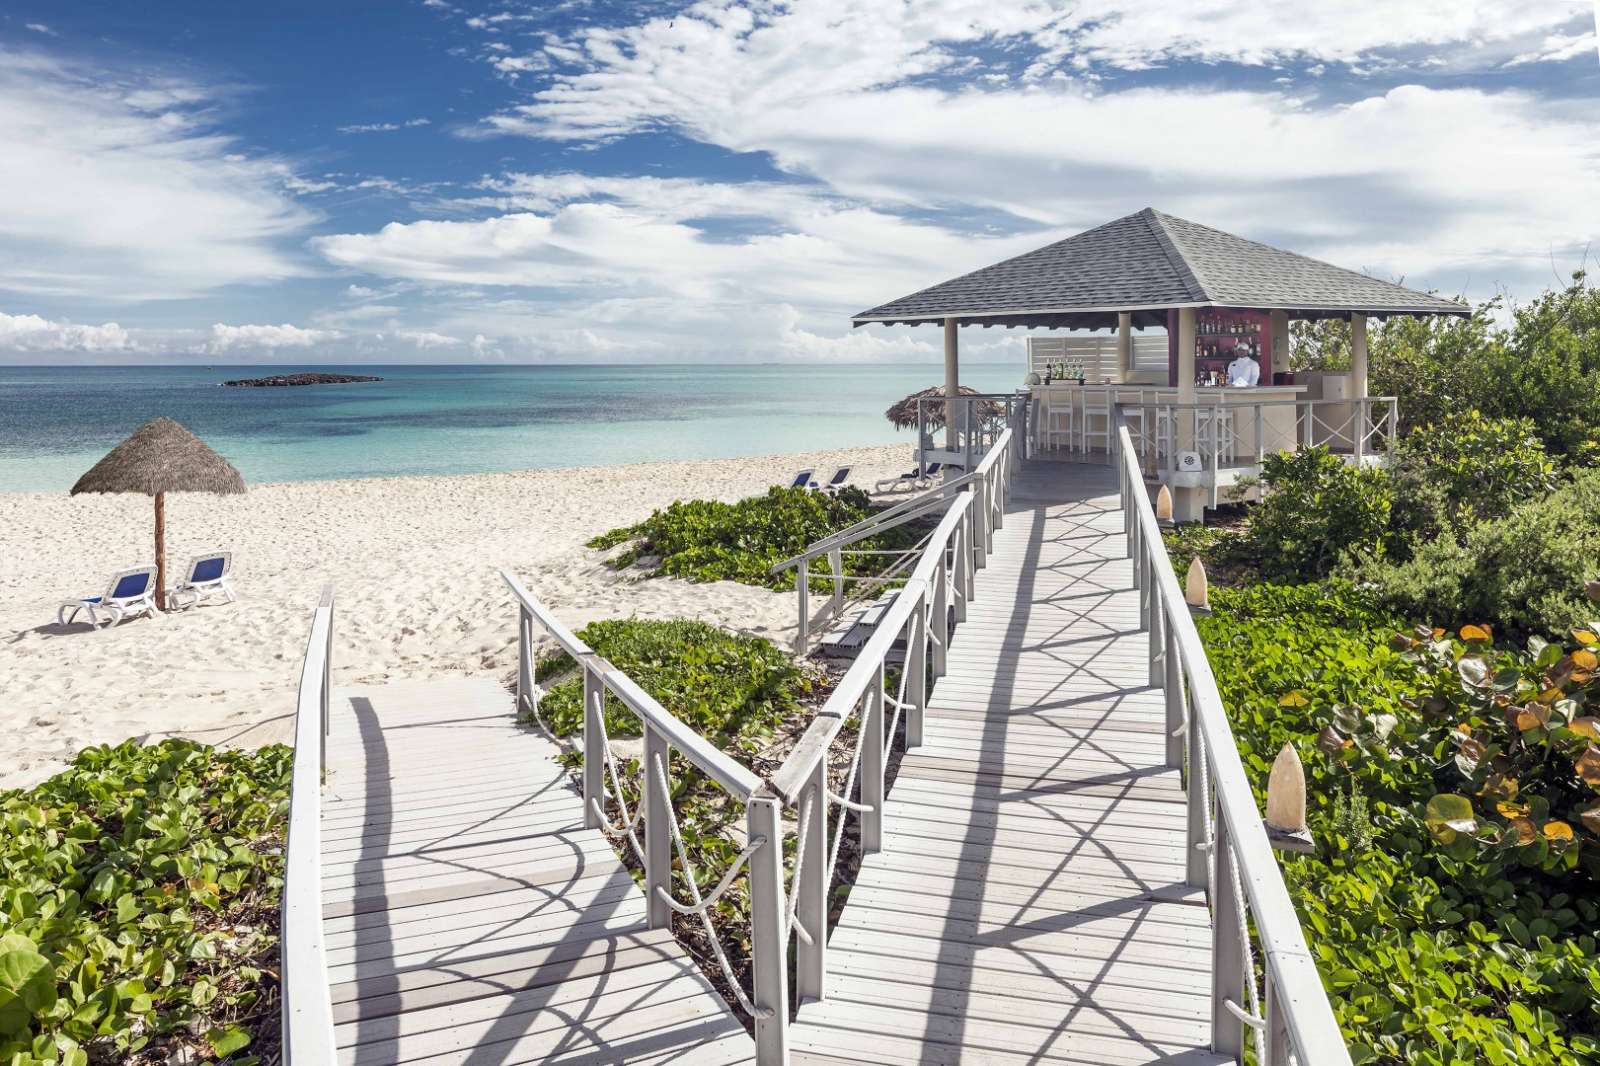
979	513
836	565
952	385
1197	863
769	952
1172	689
1261	440
802	587
872	763
811	900
940	620
525	697
1227	958
917	669
657	835
594	756
1158	628
962	567
1279	1047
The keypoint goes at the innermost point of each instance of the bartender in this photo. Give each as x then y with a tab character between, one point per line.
1244	372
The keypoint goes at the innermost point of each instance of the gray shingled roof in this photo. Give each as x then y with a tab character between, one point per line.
1146	263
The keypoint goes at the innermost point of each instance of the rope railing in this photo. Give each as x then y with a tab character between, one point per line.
307	1019
1228	853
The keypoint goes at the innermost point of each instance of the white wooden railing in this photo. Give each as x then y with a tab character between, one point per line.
307	1022
1228	850
975	432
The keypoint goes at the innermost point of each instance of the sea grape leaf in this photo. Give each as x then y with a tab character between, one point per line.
1447	815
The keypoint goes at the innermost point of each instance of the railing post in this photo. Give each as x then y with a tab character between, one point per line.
1261	439
872	761
1360	417
594	757
836	565
657	835
1158	631
1394	426
940	620
1227	960
961	569
525	698
979	510
1196	862
802	586
917	669
1278	1047
1172	689
811	892
769	963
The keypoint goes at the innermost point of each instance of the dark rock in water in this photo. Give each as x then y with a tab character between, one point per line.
278	380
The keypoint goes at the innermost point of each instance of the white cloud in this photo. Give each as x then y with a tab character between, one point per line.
118	191
386	127
226	338
425	339
39	27
31	333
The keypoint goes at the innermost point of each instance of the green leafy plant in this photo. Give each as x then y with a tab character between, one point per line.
1464	469
708	540
1314	509
725	686
138	906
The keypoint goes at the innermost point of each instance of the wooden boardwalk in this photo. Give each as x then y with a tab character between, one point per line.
1028	905
469	916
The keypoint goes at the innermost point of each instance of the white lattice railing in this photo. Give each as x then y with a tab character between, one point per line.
933	595
1287	1014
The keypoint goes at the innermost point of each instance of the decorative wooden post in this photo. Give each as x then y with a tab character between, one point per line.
594	755
769	950
872	764
811	904
161	551
1196	590
657	834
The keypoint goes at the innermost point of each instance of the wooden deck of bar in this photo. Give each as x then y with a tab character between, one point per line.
1028	905
469	916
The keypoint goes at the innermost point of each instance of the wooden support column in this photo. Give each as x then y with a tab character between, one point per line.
952	383
1358	357
1124	345
161	551
1188	503
1280	342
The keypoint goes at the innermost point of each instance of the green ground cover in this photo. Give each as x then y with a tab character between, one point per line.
138	907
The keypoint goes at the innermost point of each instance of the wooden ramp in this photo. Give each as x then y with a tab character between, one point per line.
469	916
1028	905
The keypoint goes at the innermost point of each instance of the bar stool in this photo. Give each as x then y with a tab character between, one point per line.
1096	420
1056	425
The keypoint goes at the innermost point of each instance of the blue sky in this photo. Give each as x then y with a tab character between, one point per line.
426	180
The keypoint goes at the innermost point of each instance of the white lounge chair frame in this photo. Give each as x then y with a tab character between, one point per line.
114	608
189	592
917	479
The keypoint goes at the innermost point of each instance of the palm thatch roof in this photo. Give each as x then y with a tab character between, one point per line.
904	413
161	456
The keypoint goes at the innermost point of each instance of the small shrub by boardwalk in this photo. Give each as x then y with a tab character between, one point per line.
139	907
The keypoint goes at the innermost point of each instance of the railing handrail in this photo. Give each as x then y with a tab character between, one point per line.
791	777
905	511
1295	987
1245	401
307	1005
733	776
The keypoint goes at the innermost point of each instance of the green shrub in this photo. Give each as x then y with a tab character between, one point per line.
138	905
1526	571
1314	509
1430	957
1466	468
708	540
723	685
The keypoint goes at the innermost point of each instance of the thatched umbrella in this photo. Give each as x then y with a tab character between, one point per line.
157	458
904	413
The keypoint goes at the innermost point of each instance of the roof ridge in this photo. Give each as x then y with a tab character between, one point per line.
1180	262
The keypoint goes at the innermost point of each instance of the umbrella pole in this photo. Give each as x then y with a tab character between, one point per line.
161	551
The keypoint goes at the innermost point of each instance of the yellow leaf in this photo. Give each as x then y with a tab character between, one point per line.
1584	636
1584	659
1588	726
1524	830
1557	830
1511	810
1437	633
1588	767
1550	695
1471	632
1293	699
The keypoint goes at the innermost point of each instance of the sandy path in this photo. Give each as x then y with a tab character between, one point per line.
413	561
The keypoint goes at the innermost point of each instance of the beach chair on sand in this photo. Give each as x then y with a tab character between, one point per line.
206	576
914	478
836	482
128	593
802	480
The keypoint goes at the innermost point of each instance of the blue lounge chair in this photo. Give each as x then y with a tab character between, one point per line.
916	479
206	576
802	480
128	593
836	483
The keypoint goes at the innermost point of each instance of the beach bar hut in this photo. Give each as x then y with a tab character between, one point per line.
157	458
1225	302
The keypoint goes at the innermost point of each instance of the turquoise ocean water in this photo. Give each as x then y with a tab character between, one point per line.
55	422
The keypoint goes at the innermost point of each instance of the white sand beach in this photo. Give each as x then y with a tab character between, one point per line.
413	561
